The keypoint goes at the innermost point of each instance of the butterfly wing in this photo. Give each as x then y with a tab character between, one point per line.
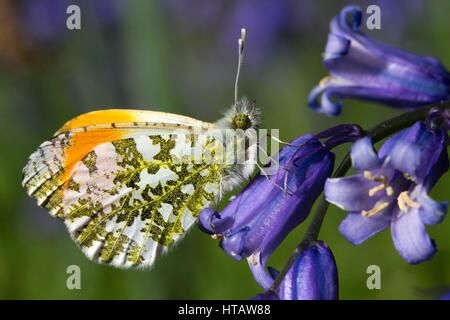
118	185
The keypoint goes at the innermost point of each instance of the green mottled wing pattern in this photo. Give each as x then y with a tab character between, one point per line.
129	200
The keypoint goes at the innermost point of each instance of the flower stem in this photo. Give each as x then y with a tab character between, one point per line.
377	133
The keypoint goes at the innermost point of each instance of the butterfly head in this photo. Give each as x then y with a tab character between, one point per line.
241	121
245	115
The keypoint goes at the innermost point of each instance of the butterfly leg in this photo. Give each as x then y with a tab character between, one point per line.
273	182
271	159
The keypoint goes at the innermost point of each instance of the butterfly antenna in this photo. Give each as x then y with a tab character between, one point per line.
241	42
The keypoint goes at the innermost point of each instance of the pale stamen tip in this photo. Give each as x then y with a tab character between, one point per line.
409	177
404	201
368	175
252	260
389	191
324	81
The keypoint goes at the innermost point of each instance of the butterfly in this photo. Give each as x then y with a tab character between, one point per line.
113	177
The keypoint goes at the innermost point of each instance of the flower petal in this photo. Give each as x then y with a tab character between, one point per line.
269	213
329	107
313	275
357	228
313	171
233	245
419	151
210	221
263	278
363	155
337	46
430	211
438	167
325	106
405	157
351	193
340	24
410	237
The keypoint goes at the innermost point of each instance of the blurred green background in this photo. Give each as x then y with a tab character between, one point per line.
181	56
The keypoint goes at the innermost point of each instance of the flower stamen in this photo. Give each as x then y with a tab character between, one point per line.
409	177
217	236
252	260
370	176
376	189
375	210
404	201
389	191
324	81
384	184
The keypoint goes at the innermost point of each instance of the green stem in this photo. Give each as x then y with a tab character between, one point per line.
377	133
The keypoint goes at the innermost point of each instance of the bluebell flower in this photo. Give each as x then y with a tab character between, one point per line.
363	68
439	118
260	217
313	276
391	189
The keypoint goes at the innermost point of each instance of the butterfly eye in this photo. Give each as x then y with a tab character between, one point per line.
241	121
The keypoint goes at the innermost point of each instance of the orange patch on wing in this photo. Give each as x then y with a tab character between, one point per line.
103	117
82	143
